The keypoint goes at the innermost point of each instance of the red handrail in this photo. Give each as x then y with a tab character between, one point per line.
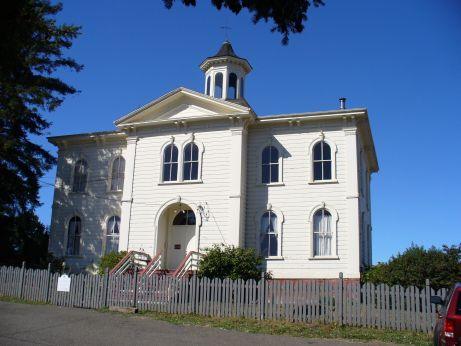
151	262
119	264
184	261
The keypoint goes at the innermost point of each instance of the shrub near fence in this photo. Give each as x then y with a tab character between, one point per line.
310	301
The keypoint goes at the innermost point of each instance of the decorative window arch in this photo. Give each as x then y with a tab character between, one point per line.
184	218
323	222
232	90
117	175
269	225
208	85
218	85
322	161
190	162
80	177
270	164
74	234
112	233
170	156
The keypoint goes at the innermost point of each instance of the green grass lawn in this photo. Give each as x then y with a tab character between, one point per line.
305	330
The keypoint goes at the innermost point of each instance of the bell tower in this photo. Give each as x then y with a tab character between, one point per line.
225	74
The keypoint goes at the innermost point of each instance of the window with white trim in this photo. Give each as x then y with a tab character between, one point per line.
270	165
117	174
112	234
74	233
322	233
80	176
190	164
269	237
322	162
170	163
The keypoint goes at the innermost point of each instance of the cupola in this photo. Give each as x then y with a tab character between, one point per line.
225	74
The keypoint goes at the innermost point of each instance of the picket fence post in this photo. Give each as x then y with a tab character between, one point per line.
340	303
21	279
48	283
105	287
262	297
135	288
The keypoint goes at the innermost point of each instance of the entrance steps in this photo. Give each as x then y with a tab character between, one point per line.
147	266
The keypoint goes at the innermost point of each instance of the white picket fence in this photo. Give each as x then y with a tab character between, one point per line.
308	301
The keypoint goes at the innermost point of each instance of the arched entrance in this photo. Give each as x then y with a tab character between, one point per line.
177	232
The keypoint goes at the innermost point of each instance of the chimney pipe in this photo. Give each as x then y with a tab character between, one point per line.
342	103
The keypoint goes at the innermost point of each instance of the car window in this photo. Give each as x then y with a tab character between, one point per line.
458	305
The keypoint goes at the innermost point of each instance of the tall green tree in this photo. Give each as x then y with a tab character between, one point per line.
416	264
32	46
288	15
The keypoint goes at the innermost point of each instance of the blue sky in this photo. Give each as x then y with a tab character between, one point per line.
400	59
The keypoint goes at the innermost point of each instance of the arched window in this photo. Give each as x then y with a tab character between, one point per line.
270	165
322	161
218	81
184	218
190	168
74	232
170	163
322	233
232	91
80	176
241	88
208	86
112	234
118	174
269	243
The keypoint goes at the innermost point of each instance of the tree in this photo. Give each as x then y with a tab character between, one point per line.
31	51
288	16
221	261
416	264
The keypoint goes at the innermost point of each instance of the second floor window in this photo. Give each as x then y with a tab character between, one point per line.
170	163
322	161
270	165
80	176
190	170
117	174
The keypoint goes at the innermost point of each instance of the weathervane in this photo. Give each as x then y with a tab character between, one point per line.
226	31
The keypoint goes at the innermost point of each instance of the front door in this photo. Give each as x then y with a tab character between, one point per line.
180	238
179	244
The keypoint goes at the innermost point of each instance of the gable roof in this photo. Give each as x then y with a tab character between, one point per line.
191	103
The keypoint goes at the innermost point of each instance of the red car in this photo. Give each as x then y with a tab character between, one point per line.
447	329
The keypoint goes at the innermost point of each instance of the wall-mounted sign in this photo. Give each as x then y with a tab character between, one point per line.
177	246
64	283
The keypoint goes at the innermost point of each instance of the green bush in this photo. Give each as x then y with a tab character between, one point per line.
221	261
416	264
110	260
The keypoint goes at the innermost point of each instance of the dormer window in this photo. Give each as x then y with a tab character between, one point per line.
218	81
232	91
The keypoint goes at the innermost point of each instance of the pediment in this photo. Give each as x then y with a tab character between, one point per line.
181	104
